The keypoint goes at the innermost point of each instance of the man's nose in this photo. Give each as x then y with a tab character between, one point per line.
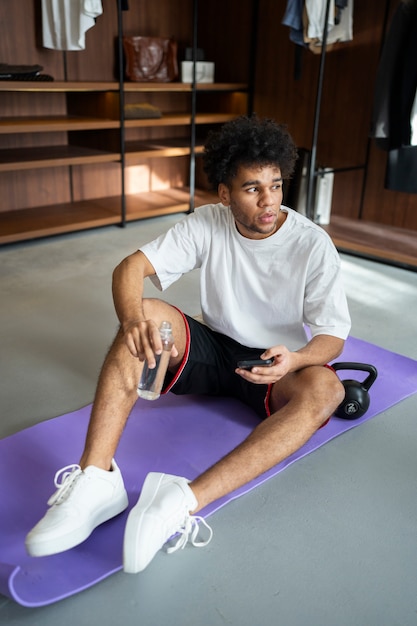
266	198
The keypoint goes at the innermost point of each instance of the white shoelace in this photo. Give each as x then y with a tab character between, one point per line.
64	482
189	532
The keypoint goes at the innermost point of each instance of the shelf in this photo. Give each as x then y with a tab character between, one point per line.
164	202
180	119
177	146
17	125
17	159
27	224
53	124
100	86
44	221
57	86
139	150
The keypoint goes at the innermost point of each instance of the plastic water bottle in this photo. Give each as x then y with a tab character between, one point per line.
151	381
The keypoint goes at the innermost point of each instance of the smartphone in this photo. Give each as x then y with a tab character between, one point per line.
249	363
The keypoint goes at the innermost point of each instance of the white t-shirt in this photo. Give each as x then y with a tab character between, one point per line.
259	292
65	22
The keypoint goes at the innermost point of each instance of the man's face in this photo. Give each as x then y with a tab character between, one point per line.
255	198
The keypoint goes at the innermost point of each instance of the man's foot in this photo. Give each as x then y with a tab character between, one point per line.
84	499
162	511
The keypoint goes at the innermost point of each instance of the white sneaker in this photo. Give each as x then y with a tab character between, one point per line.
162	510
84	500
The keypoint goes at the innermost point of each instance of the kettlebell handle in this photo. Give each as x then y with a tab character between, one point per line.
363	367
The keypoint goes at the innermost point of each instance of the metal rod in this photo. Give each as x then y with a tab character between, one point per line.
122	111
312	165
193	107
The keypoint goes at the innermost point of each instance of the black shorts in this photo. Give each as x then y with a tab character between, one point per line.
208	368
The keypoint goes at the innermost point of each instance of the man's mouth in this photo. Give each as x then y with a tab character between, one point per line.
267	218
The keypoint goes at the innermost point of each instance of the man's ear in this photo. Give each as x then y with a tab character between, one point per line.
224	194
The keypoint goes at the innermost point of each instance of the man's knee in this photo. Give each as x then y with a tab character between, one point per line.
326	387
316	387
160	311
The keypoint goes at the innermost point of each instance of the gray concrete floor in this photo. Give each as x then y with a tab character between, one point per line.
330	541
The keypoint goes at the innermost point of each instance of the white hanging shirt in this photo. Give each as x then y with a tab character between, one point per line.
316	12
65	22
260	292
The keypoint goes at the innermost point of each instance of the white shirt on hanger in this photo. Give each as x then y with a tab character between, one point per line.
316	12
65	22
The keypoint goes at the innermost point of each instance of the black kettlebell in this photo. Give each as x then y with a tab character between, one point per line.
357	399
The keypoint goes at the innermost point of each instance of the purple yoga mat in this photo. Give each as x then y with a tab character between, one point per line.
177	435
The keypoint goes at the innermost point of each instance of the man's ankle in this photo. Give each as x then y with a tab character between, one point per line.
87	460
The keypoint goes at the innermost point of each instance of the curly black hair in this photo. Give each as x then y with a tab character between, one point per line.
248	141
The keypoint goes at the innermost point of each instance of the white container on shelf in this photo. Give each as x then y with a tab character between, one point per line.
204	72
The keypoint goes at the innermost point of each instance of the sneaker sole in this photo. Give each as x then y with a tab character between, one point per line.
131	558
61	544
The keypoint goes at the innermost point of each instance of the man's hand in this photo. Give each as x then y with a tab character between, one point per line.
283	363
318	351
143	340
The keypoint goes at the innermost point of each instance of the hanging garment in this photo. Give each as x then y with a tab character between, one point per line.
293	18
394	99
340	23
65	22
306	22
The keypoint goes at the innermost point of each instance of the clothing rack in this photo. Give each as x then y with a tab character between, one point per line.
313	157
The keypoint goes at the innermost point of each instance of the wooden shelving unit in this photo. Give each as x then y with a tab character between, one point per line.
67	217
75	140
71	158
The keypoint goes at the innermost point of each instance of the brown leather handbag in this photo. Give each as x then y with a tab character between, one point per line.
150	59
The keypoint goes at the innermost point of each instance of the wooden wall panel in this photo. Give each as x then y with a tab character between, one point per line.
21	38
33	188
224	32
99	60
95	181
347	193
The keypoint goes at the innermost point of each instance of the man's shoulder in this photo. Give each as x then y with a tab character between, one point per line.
301	221
214	208
215	215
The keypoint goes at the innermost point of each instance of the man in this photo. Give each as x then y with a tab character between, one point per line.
265	273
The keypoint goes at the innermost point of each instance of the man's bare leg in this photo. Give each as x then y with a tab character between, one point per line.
116	389
302	402
88	494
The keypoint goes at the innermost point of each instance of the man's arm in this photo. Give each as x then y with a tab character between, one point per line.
319	351
127	287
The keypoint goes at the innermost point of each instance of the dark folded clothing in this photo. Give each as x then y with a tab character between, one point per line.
22	72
